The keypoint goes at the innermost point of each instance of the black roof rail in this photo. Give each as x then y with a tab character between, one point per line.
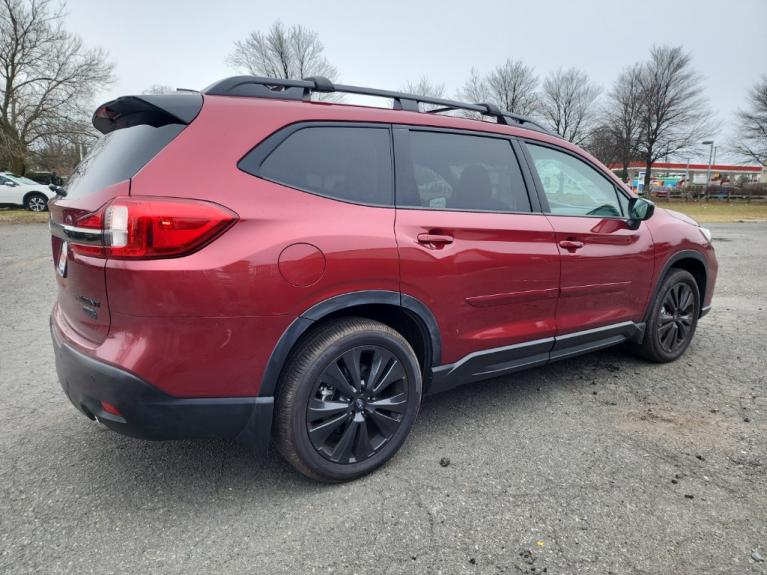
261	87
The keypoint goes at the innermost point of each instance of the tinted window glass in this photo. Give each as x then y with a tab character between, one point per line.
572	187
351	164
462	172
118	156
19	179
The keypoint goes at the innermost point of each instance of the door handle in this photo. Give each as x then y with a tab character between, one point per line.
571	245
434	240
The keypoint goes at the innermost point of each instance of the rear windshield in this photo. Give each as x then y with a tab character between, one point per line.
117	156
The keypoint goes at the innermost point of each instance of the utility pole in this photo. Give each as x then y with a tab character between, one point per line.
710	144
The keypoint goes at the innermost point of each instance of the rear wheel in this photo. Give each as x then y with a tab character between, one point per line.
36	202
347	399
673	318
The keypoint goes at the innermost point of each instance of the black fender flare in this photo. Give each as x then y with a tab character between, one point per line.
675	257
417	309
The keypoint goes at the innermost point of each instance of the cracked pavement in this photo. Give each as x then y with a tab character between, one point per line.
599	464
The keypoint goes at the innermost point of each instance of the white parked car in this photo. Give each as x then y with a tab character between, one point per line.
19	191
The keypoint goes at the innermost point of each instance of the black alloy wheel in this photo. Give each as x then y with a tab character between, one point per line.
675	321
672	319
347	399
357	404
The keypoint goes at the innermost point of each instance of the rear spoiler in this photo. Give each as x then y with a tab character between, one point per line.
153	110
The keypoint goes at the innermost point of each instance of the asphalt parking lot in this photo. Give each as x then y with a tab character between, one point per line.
601	464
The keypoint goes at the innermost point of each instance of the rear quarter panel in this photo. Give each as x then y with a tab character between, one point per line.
206	324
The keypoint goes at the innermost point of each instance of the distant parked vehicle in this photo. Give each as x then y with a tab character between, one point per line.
20	191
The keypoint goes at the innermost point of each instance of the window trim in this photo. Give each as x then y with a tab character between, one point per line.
401	139
252	161
541	192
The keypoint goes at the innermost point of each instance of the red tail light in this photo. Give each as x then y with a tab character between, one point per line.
151	227
91	221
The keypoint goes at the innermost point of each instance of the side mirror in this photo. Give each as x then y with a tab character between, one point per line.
58	190
640	210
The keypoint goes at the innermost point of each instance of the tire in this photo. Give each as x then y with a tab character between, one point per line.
36	202
330	423
673	318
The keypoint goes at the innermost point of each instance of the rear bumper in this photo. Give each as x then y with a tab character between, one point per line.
149	413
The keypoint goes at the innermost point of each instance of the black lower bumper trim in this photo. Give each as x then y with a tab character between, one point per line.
149	413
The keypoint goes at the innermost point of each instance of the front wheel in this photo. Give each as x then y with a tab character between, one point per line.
347	399
673	318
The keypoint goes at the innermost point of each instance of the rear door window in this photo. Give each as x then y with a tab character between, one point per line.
118	156
462	172
347	163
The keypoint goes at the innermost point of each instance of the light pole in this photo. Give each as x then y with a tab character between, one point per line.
710	144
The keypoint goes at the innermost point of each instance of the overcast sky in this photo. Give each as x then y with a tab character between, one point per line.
386	44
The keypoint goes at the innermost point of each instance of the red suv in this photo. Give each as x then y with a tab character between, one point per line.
246	261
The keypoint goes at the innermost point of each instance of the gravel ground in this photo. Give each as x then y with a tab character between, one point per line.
601	464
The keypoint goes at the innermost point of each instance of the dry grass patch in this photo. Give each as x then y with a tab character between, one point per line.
20	216
719	212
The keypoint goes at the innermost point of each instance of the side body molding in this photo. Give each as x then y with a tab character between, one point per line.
504	360
414	307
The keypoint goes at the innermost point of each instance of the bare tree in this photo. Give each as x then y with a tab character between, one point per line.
623	116
282	52
601	143
424	87
674	114
159	89
47	79
567	104
751	140
474	90
59	155
511	86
